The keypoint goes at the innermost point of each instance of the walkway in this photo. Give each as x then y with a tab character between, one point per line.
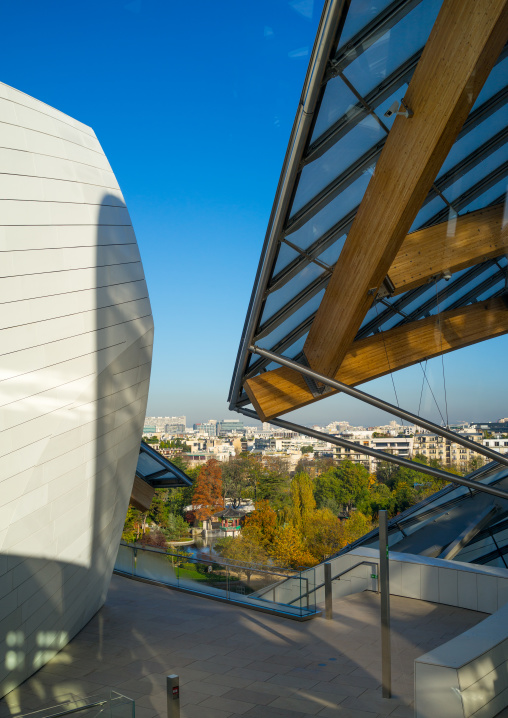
235	662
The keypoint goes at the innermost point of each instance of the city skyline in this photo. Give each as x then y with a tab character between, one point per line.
200	185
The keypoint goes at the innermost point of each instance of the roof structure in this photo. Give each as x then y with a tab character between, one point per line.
456	523
156	470
385	245
230	513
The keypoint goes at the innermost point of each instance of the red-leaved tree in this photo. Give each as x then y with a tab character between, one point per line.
207	497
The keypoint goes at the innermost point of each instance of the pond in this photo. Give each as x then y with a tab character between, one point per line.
199	548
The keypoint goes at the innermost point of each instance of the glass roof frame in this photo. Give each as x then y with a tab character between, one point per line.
165	474
304	149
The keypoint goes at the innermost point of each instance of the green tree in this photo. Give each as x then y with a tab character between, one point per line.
380	497
404	496
307	449
347	485
272	482
178	499
303	503
237	477
132	529
176	528
324	534
387	473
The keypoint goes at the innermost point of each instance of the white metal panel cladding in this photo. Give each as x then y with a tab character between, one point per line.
76	335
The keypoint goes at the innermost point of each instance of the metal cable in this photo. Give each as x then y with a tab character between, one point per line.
389	365
435	400
442	358
423	384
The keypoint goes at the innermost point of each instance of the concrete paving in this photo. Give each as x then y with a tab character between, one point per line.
235	662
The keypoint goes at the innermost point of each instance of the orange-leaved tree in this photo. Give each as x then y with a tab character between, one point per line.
207	496
288	548
262	521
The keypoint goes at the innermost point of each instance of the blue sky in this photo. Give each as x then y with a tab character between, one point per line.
193	104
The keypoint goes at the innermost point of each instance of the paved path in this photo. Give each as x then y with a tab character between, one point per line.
235	662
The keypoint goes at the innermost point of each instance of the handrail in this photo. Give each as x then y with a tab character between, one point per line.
347	570
360	563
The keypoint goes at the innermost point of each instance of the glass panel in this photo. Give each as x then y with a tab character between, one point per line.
247	583
359	15
277	300
337	101
467	144
372	314
491	194
147	465
488	272
494	289
285	257
291	322
482	169
393	48
317	175
331	255
495	82
334	211
428	211
297	347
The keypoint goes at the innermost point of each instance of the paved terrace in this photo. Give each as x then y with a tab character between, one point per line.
235	662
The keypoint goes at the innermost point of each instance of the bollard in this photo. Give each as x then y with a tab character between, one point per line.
328	591
173	696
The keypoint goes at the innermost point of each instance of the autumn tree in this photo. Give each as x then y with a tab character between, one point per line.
247	550
207	496
353	528
303	503
289	548
263	522
325	534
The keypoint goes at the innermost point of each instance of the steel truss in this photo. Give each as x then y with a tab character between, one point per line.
385	406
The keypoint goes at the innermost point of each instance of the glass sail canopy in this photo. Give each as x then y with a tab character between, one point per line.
157	471
455	523
374	53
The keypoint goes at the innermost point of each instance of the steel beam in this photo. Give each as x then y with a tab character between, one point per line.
381	455
333	15
383	405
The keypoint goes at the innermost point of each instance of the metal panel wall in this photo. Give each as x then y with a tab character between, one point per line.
75	355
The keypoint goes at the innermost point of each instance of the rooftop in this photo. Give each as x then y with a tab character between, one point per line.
232	661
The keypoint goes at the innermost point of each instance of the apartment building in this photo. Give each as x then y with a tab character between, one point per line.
449	453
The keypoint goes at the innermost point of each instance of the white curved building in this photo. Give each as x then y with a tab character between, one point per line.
75	355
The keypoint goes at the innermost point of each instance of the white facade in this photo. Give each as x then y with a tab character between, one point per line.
75	357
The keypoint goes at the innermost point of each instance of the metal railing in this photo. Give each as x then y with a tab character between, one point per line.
342	573
252	585
116	705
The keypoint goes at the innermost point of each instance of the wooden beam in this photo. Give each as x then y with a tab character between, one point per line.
141	495
281	390
468	240
463	46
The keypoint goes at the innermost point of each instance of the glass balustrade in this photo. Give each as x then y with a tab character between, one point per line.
264	587
111	705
